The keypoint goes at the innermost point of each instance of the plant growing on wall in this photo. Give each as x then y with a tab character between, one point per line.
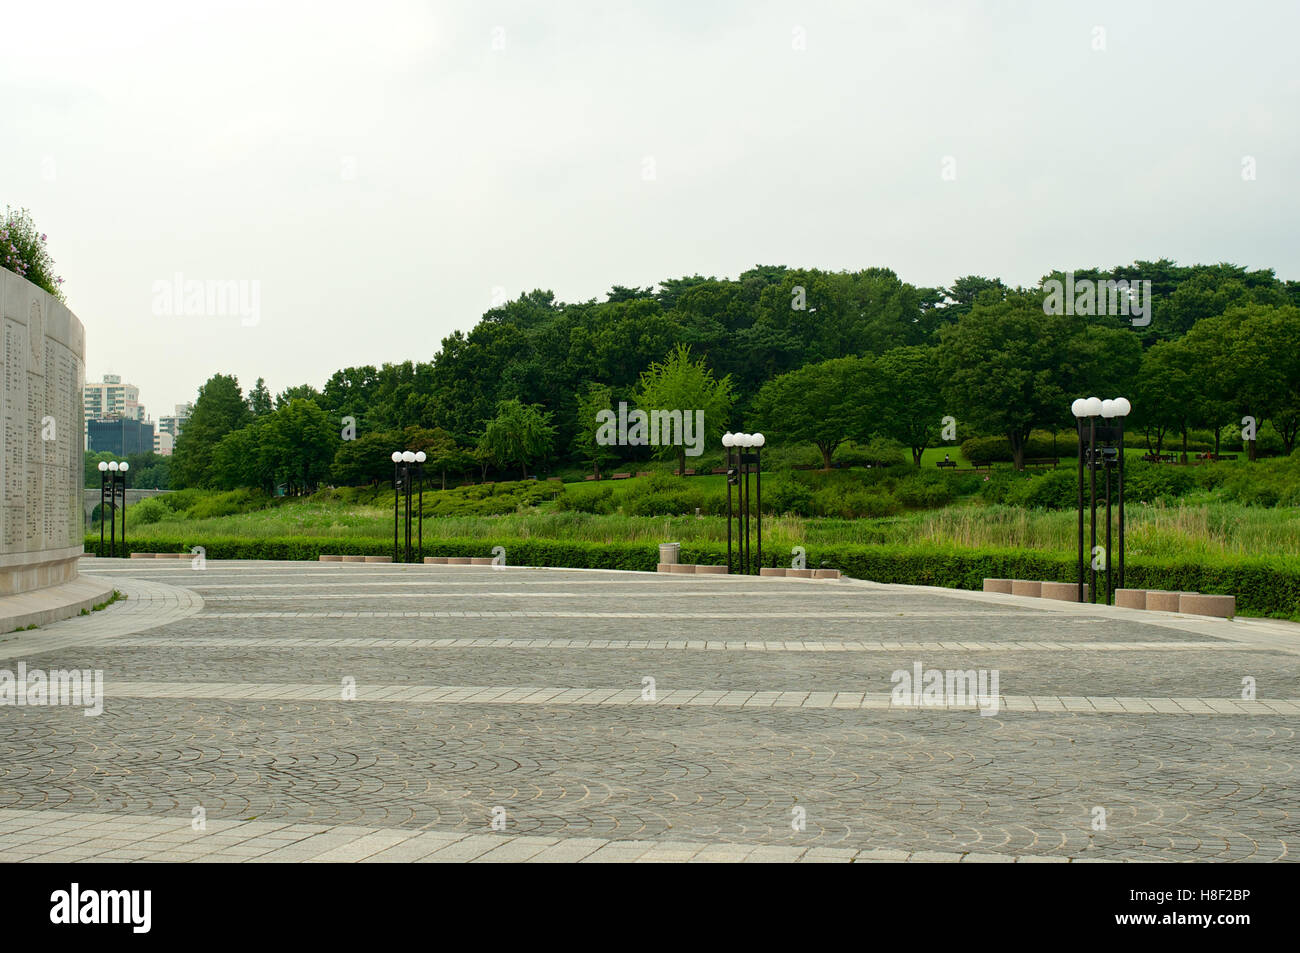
23	251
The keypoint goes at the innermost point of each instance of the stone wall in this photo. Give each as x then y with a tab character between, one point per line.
42	373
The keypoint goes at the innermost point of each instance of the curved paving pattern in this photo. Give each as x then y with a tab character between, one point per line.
225	691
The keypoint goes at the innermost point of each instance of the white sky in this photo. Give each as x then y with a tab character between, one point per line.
212	140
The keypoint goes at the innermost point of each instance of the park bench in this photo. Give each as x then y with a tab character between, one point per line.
1042	462
947	463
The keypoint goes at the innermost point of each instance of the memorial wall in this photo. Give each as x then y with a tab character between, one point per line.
42	373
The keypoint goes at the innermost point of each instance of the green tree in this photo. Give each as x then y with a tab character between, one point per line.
680	383
259	399
1001	366
594	399
519	434
219	410
824	404
913	407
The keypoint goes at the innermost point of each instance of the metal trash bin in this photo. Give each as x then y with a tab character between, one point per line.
668	553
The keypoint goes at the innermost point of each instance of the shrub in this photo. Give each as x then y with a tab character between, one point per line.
23	251
149	510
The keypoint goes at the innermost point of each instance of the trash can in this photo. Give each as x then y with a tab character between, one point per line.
668	553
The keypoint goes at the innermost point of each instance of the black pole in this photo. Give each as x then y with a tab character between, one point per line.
730	567
124	552
1108	579
397	485
406	482
744	467
103	483
758	483
1121	503
1079	428
112	508
1092	504
419	467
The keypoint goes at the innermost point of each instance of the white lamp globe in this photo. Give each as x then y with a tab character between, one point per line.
112	465
397	456
746	439
408	456
421	456
728	439
1093	406
125	466
1079	408
1122	407
759	440
103	466
1108	408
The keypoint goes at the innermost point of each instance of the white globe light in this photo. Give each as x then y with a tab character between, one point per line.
746	439
408	456
397	456
1122	407
103	466
1108	408
759	440
421	456
1093	406
1079	408
726	439
125	466
112	465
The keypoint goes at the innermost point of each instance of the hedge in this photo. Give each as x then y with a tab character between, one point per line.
1263	587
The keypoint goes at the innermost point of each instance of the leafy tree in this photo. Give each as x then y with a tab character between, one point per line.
23	251
912	398
259	399
595	398
519	434
824	404
1001	365
680	383
219	410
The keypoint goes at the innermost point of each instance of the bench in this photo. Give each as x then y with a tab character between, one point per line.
1043	462
947	463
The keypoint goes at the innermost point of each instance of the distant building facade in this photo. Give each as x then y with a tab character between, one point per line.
120	436
110	398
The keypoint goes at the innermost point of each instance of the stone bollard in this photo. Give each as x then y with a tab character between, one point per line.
998	585
1026	587
1131	598
1221	607
1160	601
1065	591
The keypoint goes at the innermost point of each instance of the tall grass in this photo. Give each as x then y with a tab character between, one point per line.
1157	530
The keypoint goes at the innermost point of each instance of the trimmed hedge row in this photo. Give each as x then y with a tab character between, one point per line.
1263	587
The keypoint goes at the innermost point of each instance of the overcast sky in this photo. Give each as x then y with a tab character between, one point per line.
379	168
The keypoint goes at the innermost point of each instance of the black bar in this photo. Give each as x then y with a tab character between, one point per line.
1092	498
1079	428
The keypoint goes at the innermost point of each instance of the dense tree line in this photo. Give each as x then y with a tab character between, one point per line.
810	355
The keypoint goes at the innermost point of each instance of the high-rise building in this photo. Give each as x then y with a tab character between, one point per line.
110	398
173	423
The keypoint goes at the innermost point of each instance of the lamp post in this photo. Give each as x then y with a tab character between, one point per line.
739	465
1110	457
408	468
112	481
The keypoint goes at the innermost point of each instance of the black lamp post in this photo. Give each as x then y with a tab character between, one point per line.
408	469
739	465
1109	456
112	482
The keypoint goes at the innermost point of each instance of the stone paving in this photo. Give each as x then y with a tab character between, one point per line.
299	711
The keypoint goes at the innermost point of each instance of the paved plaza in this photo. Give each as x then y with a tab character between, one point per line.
303	711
